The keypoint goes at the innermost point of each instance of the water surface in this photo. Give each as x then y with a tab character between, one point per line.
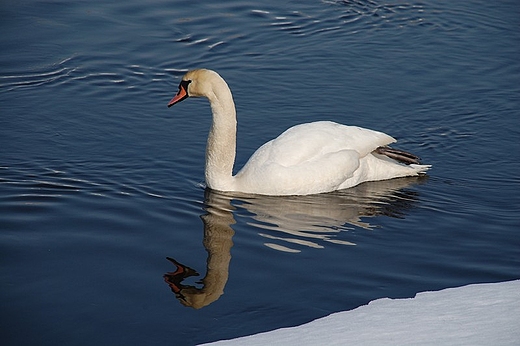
100	182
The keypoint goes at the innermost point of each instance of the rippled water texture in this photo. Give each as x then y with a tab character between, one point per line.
107	234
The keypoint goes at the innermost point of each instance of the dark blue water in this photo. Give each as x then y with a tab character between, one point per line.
100	182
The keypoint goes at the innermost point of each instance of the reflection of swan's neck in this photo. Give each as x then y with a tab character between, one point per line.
218	241
221	147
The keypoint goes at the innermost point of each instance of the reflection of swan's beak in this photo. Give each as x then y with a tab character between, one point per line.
174	279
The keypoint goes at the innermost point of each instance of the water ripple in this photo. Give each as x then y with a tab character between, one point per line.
353	16
30	186
49	75
85	75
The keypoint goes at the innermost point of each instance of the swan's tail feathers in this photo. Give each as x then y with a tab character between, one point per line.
420	168
399	155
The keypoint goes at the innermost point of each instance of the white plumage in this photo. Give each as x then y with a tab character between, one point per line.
306	159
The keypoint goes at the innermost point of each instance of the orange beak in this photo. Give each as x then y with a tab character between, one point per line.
181	95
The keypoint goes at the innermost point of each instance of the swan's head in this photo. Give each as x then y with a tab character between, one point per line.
197	83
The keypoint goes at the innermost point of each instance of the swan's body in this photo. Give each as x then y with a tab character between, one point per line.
306	159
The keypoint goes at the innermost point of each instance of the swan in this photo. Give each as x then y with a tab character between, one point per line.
309	158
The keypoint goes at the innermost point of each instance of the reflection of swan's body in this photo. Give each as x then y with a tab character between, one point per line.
295	221
306	159
315	220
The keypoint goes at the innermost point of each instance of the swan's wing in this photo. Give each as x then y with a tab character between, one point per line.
321	153
307	142
324	173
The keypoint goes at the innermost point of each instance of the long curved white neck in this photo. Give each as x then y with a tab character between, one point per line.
221	146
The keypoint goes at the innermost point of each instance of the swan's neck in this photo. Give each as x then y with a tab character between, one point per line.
221	147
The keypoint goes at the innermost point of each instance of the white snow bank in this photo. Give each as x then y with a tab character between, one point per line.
482	314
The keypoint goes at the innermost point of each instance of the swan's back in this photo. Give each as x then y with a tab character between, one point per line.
308	142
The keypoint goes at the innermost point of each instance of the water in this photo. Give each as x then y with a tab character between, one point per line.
100	182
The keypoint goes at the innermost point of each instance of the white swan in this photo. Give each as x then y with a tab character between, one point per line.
306	159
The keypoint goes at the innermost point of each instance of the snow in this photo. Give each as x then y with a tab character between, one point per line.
480	314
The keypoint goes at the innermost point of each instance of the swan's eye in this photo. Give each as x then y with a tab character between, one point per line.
183	85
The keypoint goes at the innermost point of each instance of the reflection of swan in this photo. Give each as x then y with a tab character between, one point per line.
217	241
306	159
304	220
316	219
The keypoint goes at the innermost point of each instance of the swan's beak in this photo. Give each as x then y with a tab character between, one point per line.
181	94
